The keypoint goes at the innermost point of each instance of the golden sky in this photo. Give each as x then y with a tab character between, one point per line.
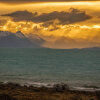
32	1
60	24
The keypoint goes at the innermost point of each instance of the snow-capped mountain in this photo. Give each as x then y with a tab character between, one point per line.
8	39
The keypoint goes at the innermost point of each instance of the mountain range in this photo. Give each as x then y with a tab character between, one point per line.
17	40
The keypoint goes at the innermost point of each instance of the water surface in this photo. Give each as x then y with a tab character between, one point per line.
29	65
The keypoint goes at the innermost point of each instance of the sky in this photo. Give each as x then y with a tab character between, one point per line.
63	25
28	1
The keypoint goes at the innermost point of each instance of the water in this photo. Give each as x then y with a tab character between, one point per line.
28	65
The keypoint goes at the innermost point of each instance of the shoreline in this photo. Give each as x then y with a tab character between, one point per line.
15	91
51	85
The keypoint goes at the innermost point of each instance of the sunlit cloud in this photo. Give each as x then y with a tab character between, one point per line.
56	24
78	36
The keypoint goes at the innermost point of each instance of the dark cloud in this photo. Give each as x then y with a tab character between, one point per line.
21	16
73	16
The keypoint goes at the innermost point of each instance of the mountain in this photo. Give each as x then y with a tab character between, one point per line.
92	48
17	40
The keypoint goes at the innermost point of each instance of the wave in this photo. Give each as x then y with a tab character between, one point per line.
59	85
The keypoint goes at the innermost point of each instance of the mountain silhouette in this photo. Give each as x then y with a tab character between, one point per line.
17	40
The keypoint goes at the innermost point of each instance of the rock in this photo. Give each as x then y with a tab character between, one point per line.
6	97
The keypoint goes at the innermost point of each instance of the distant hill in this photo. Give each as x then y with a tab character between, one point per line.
92	48
17	40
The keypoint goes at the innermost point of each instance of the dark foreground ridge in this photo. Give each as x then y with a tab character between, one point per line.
11	91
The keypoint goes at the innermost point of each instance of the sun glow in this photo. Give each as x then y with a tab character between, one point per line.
71	30
20	26
64	3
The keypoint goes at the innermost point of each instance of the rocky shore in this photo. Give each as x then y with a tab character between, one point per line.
12	91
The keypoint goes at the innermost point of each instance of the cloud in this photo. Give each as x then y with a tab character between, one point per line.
3	22
58	36
82	39
73	16
21	16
